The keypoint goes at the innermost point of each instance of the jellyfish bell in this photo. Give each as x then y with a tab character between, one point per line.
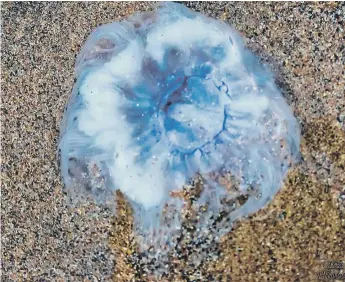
165	97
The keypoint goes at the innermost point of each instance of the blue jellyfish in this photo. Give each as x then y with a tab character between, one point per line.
168	95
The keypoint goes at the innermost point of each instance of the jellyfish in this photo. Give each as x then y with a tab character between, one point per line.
164	97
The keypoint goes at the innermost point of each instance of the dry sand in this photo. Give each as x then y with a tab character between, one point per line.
44	240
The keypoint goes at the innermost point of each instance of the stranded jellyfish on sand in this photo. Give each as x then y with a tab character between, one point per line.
169	96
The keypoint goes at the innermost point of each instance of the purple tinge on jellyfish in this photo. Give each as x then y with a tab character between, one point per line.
164	96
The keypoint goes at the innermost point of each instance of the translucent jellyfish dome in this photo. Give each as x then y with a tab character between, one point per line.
166	96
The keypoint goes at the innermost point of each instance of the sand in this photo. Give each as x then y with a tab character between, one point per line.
45	240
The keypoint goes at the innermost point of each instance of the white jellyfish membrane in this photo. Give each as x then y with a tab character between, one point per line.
162	97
